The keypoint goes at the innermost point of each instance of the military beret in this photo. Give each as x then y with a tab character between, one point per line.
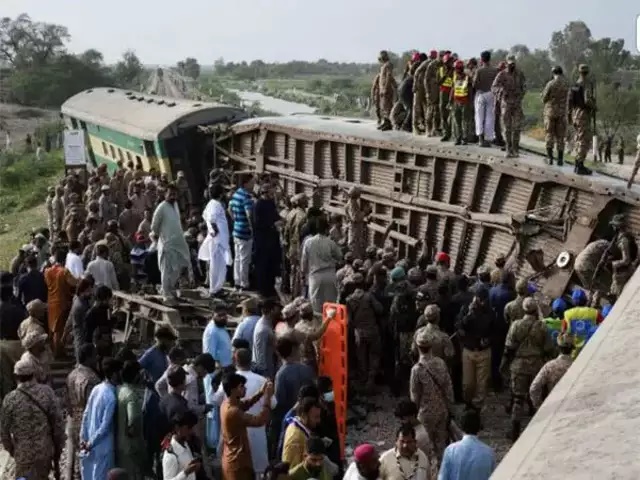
33	338
530	305
432	312
24	367
425	338
289	311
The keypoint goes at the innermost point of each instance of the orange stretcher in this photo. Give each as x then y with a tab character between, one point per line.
333	363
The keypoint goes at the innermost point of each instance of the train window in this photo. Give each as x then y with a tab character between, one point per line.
113	152
120	155
104	149
129	156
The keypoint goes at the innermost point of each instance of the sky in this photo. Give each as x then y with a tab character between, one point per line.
164	32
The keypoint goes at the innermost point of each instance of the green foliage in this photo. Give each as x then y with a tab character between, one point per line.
24	180
189	68
129	72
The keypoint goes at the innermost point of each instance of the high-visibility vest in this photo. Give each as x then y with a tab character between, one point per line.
446	80
581	323
554	326
461	88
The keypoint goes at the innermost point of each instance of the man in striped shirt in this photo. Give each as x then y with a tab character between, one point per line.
241	210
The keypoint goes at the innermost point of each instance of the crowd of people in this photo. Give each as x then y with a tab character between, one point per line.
255	401
477	102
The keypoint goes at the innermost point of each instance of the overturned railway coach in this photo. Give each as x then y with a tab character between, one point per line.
468	201
163	133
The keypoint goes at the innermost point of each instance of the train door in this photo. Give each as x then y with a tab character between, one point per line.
152	156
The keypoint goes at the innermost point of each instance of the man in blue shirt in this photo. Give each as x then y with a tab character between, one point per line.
470	458
250	317
241	210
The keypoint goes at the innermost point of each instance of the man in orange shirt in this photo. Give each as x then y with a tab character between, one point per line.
60	288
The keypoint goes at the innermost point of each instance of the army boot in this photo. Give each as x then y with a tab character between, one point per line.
580	169
516	144
514	434
560	158
508	149
386	125
550	156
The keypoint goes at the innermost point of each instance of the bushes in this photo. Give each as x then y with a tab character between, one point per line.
24	180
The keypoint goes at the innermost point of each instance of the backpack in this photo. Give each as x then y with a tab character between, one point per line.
576	97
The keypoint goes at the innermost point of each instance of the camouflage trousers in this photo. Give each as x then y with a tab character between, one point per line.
582	134
461	121
386	104
555	131
618	281
511	125
419	111
399	116
432	119
520	384
444	114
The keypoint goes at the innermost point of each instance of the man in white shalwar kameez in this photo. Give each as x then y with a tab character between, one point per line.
257	435
215	248
173	251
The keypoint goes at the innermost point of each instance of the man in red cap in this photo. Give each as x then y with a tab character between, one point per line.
366	464
443	262
432	93
460	100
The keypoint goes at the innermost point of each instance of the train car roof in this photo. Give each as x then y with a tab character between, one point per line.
359	130
148	117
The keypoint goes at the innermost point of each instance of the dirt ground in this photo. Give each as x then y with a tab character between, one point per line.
19	121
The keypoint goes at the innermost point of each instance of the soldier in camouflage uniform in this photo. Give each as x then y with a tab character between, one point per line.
441	345
294	222
636	164
526	349
552	371
582	104
387	89
554	97
510	86
513	310
432	92
419	96
375	97
472	66
624	265
445	84
357	217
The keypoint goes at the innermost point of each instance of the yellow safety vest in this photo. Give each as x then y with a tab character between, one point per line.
447	83
581	323
461	88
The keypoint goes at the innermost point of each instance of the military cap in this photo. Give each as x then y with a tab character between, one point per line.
582	68
530	305
357	264
348	257
384	55
24	368
557	70
521	286
431	313
511	59
357	278
415	274
564	340
33	338
36	308
289	311
431	270
425	338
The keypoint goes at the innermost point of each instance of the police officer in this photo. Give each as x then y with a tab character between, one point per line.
526	349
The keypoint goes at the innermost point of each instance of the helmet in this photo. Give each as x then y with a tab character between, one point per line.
459	65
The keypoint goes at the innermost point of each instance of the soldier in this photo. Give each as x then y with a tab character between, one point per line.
445	83
513	310
294	222
510	86
526	348
420	95
624	265
460	103
582	105
184	193
551	373
472	66
375	97
620	150
483	78
51	193
58	207
387	89
441	345
432	94
108	210
636	164
554	98
357	218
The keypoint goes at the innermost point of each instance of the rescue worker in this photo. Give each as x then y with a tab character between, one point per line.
445	82
554	320
526	348
460	103
419	95
510	86
551	373
387	89
432	92
554	98
580	321
582	105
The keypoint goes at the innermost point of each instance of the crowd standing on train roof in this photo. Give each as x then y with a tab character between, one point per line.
254	401
441	95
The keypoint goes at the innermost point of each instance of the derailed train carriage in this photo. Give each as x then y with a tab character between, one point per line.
426	196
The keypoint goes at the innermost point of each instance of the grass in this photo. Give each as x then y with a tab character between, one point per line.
23	190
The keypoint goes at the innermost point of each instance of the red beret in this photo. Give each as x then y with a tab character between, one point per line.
442	257
364	453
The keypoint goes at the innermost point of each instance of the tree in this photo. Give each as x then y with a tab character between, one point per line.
569	47
129	71
618	109
189	68
536	66
26	44
606	56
